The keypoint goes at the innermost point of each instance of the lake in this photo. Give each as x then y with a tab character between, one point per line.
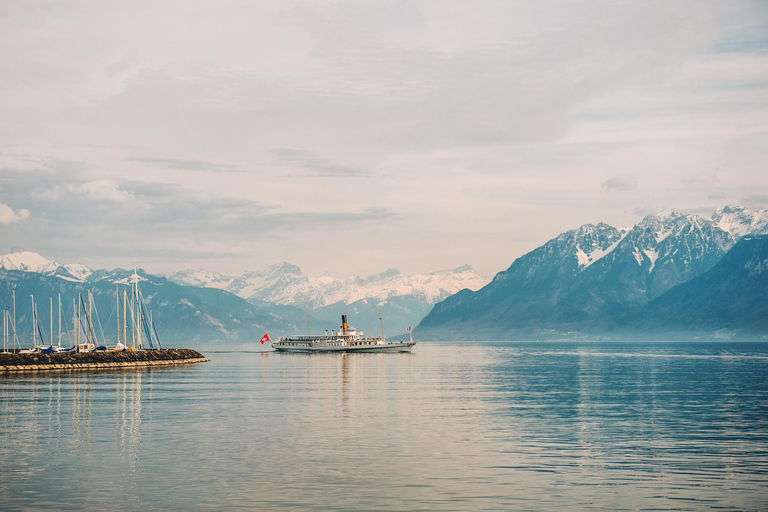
452	426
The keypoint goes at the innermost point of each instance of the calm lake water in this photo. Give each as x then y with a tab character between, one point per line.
470	426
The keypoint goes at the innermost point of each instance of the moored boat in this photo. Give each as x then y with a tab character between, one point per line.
346	340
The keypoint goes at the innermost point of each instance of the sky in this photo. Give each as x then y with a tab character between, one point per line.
348	137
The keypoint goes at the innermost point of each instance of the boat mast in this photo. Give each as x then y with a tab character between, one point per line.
138	309
308	331
13	291
51	331
125	319
133	316
74	324
77	320
381	319
117	312
92	334
59	320
34	332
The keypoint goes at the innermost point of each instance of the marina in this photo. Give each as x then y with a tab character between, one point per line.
137	342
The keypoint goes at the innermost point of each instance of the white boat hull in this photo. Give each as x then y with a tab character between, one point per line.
389	346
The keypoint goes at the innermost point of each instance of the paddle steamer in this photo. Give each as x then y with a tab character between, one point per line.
346	340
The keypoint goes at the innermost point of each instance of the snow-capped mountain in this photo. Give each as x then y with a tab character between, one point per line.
200	277
182	313
410	297
284	283
740	221
729	298
27	261
662	251
587	279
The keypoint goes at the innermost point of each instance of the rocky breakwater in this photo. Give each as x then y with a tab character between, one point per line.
14	362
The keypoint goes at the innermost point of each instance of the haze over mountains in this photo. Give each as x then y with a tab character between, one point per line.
594	278
182	313
732	295
276	296
405	299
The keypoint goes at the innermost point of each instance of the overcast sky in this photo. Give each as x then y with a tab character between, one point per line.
349	137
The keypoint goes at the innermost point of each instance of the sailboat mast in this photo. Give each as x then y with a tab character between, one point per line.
138	309
133	316
59	320
117	312
91	333
34	332
77	320
125	319
51	331
308	331
381	319
13	291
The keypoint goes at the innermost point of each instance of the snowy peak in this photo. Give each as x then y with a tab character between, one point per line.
28	261
201	277
739	221
284	283
78	271
592	242
681	243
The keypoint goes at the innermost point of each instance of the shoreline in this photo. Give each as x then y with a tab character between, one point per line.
15	362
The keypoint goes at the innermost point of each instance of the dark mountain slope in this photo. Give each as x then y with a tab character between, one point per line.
181	313
731	295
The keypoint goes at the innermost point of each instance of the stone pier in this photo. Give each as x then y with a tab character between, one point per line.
15	362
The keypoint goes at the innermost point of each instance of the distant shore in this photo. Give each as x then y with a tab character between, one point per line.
16	362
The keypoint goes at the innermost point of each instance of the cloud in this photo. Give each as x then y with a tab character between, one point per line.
756	201
104	190
717	196
8	216
692	179
188	165
620	183
317	166
428	101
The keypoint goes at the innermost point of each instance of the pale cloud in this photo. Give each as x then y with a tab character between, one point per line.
313	165
620	183
703	178
481	130
8	216
104	190
756	201
187	165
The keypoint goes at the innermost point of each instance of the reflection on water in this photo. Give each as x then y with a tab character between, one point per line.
451	426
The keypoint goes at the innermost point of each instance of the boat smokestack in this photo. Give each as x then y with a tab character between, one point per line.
344	323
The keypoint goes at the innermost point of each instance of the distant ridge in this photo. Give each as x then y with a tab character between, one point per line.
406	298
182	313
731	296
592	279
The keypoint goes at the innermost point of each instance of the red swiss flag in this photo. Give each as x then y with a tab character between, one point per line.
265	338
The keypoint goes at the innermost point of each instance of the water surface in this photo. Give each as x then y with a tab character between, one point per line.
453	426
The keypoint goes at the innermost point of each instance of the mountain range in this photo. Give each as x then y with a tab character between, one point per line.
669	272
183	313
405	299
201	305
730	297
593	279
